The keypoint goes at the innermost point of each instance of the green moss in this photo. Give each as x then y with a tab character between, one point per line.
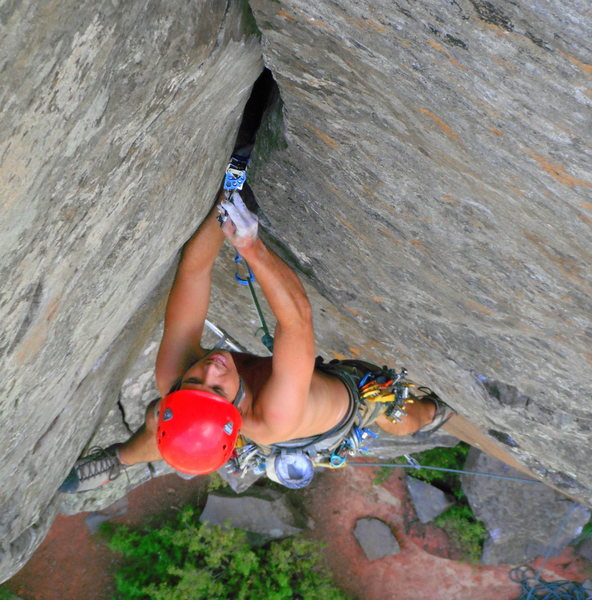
215	482
270	137
187	559
6	594
250	26
459	523
382	475
586	533
464	531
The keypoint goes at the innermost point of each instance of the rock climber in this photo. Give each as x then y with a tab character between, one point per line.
281	414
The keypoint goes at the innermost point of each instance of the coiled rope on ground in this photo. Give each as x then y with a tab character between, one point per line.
536	588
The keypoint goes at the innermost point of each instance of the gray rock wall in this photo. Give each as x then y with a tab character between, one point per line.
117	121
524	520
436	185
433	186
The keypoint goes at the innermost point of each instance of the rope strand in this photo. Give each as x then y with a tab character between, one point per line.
418	466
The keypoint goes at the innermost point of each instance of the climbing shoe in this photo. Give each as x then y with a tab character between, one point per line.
92	471
441	416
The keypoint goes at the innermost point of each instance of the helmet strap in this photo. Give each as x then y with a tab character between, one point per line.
240	394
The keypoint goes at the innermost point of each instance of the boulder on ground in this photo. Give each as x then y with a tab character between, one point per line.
267	513
428	501
524	520
376	538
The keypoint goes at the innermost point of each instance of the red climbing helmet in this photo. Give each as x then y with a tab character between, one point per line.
197	431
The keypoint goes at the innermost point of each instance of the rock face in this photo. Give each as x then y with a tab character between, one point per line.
438	184
117	124
427	172
524	520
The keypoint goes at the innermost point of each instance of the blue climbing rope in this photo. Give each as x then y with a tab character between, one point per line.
535	587
418	466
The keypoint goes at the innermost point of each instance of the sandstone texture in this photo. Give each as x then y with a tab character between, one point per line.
426	170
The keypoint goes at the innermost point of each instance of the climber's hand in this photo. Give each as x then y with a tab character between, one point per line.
238	223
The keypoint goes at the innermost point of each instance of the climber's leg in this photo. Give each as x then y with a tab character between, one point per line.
101	466
424	417
419	414
142	446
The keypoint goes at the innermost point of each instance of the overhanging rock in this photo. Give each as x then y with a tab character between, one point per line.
438	183
117	124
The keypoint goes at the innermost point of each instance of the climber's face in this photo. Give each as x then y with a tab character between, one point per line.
216	372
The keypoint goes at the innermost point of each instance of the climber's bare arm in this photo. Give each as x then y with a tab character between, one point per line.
187	304
282	402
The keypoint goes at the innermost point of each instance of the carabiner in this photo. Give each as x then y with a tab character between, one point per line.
243	280
412	461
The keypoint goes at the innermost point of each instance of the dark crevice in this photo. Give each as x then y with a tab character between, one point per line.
504	438
264	91
261	132
123	416
504	393
33	295
489	13
41	439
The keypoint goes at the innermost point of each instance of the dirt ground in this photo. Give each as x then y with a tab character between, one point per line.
74	564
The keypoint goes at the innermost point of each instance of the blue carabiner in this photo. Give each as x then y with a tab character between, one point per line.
243	280
337	461
364	379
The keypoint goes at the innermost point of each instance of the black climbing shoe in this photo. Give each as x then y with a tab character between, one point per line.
92	471
443	413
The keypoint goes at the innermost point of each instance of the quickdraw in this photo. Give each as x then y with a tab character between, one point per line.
234	179
389	388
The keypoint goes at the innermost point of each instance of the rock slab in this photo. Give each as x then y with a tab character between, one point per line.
437	173
260	511
117	125
376	538
524	520
428	500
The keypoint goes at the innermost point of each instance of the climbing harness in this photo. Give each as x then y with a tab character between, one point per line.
373	391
